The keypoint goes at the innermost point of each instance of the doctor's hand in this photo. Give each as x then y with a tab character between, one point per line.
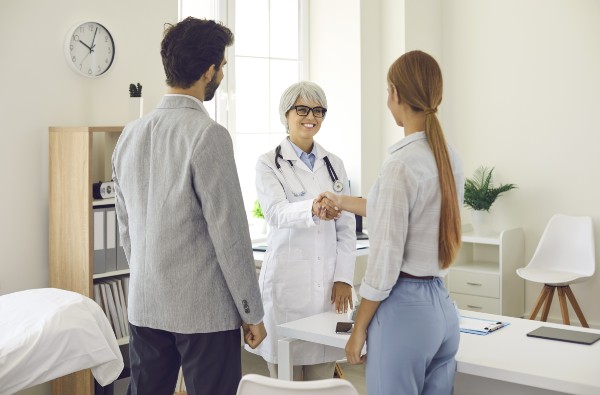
254	334
341	295
355	345
330	200
324	211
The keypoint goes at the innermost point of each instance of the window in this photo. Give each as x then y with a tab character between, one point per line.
269	54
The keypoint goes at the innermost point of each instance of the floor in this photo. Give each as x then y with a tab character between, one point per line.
353	373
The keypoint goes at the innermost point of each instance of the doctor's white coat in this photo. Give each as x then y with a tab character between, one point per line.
305	255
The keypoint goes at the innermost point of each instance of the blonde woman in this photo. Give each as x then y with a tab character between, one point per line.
414	233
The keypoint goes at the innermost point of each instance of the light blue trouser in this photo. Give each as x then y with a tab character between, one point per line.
412	341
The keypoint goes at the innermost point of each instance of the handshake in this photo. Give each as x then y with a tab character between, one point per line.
327	205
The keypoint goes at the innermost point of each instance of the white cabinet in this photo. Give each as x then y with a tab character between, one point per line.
484	277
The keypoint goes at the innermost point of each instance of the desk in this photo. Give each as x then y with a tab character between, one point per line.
503	362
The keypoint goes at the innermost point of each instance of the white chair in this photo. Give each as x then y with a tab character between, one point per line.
254	384
565	255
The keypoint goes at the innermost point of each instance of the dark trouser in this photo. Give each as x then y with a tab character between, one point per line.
211	361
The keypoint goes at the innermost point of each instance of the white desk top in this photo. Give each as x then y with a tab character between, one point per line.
362	248
506	355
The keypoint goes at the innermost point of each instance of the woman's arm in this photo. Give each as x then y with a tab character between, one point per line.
366	311
349	203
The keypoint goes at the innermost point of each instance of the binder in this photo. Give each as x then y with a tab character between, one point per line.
99	241
121	258
111	239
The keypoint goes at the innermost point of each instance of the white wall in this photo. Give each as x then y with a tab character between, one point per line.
522	87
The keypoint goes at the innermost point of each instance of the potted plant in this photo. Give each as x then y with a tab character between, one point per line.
257	213
480	194
136	102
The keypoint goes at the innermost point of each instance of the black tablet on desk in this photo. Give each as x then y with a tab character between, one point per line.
565	335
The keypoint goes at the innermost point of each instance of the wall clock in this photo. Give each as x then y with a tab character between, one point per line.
90	49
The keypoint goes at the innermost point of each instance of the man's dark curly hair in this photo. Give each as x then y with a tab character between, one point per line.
190	47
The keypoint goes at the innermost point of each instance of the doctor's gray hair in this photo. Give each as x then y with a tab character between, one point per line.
305	90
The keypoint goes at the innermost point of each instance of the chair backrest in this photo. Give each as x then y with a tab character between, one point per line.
567	244
254	384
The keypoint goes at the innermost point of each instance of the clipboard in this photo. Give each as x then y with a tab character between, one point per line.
480	326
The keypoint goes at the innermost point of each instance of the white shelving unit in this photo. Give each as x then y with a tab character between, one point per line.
484	277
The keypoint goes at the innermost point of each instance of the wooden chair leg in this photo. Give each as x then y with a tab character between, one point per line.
576	307
548	303
338	373
564	309
540	302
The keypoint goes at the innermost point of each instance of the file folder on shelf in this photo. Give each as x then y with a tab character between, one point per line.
99	241
111	239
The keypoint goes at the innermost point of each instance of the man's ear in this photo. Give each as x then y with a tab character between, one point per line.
209	74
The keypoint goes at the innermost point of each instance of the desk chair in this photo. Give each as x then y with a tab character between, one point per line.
254	384
565	255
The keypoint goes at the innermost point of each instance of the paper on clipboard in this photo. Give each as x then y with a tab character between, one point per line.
479	326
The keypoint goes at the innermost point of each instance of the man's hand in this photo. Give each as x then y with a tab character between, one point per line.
254	334
341	295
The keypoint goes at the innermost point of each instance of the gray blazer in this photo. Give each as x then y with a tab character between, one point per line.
182	222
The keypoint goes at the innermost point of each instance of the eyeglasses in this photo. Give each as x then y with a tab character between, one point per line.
318	112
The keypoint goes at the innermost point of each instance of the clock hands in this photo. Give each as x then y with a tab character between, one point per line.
93	40
88	47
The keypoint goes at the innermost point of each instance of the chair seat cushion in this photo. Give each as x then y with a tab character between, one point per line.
550	277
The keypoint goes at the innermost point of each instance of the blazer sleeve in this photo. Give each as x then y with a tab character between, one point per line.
122	217
278	211
217	184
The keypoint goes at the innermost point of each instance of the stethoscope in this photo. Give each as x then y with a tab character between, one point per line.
338	186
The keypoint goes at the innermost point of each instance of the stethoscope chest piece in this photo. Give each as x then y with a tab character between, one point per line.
338	186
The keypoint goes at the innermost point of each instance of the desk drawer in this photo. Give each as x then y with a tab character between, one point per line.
473	283
477	303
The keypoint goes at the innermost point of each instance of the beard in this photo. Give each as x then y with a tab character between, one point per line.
211	88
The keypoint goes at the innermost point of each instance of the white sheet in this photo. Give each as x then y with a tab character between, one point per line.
47	333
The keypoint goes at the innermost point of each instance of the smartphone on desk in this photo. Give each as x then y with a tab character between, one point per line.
344	327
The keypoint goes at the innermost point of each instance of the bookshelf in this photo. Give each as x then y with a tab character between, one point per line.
78	157
484	277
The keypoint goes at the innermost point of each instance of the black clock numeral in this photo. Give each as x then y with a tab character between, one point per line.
90	71
76	38
91	28
99	69
71	47
109	50
74	59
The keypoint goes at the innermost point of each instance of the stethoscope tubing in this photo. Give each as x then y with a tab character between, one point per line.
338	186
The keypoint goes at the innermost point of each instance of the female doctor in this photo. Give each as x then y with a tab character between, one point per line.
309	263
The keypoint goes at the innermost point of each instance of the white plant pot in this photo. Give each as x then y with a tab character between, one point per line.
482	222
136	108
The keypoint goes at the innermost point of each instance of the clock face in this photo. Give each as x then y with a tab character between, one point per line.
90	49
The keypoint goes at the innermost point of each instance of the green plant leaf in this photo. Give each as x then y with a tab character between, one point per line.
480	192
257	210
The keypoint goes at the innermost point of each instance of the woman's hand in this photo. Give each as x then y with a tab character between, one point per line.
323	211
330	200
355	345
341	295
